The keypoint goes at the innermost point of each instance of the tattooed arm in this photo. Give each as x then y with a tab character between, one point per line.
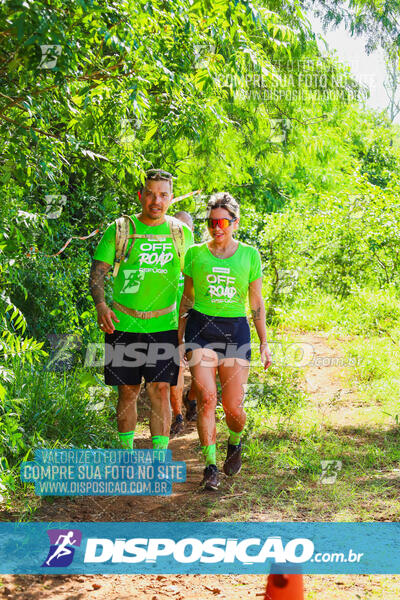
105	315
258	313
96	280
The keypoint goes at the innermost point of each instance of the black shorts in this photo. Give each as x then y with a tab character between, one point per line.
229	337
131	356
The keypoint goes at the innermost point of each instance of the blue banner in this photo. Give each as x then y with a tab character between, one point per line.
226	548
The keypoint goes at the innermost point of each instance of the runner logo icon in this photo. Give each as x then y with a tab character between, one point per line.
61	552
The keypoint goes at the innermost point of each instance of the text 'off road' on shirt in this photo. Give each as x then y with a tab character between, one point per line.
221	284
148	280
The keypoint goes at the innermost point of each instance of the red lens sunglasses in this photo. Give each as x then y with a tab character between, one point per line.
222	223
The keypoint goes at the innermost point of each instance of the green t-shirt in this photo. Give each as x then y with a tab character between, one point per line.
149	279
221	284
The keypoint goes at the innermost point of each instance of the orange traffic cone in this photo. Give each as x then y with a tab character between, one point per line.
284	587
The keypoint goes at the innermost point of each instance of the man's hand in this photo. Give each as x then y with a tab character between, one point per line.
105	318
266	357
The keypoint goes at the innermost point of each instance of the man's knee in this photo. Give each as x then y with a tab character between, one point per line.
128	393
207	399
159	389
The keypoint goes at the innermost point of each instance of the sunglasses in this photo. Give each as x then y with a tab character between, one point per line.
222	223
156	173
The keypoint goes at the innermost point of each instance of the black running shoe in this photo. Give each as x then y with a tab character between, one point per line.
191	411
191	408
210	478
233	461
177	426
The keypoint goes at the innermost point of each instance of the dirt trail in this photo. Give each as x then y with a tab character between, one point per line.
323	384
185	499
324	381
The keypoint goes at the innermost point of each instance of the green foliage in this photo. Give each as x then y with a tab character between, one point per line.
227	95
117	70
44	409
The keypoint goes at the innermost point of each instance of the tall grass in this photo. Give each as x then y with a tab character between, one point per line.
364	312
53	410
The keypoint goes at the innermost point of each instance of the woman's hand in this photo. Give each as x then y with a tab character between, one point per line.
182	355
266	356
258	311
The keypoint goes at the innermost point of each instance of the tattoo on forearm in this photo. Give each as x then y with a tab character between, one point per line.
256	314
98	272
186	303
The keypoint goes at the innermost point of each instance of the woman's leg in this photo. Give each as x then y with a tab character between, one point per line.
233	376
203	365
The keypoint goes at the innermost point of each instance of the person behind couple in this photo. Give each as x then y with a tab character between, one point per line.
177	398
219	274
144	305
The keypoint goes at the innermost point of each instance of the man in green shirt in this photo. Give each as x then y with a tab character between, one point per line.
144	341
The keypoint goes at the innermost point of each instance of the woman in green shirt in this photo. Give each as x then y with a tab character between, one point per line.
219	275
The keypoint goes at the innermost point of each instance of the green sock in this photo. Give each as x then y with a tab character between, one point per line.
126	439
160	442
209	453
234	438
